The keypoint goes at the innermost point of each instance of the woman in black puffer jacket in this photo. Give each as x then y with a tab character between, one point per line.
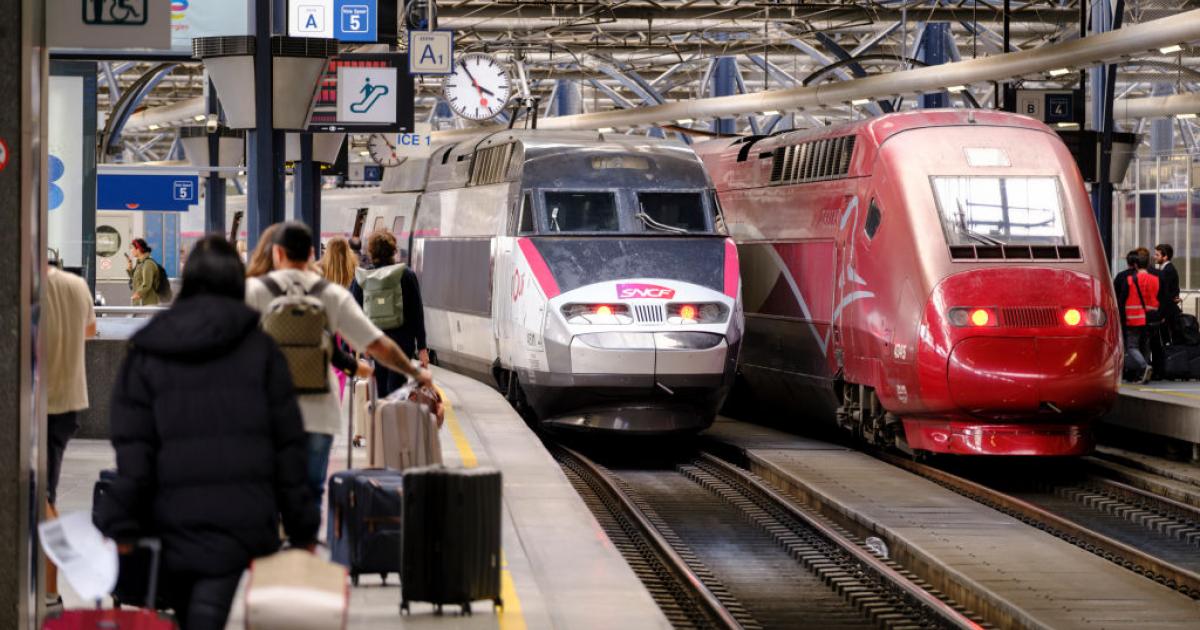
210	444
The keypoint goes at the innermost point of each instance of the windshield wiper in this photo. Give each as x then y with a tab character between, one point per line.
554	219
962	226
649	222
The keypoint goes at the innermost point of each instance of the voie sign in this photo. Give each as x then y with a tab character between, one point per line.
636	291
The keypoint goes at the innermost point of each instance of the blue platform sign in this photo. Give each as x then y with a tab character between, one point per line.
355	20
165	193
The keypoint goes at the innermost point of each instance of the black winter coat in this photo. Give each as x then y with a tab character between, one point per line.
211	449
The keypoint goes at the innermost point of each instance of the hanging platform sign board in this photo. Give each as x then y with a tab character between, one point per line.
104	25
166	193
343	20
367	93
431	52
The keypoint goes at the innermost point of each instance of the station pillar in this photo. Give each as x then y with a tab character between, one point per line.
568	100
23	68
306	189
934	51
214	185
265	155
724	83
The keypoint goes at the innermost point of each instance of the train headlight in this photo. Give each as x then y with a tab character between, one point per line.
597	314
708	313
1093	317
974	317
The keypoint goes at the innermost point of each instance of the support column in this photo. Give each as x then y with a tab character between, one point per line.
214	185
23	67
724	83
264	204
568	99
1104	183
933	51
1162	130
306	189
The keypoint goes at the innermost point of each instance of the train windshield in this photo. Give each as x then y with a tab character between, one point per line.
672	212
582	212
1001	210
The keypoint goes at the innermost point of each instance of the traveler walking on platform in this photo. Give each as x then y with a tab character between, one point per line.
144	274
356	247
1137	299
294	286
68	319
210	442
391	297
337	266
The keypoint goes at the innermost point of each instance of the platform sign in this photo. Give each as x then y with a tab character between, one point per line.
1049	106
108	24
431	52
367	93
167	193
344	20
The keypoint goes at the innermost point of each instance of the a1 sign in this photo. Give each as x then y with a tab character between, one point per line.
344	20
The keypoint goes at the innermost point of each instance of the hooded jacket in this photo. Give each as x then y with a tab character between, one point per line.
211	449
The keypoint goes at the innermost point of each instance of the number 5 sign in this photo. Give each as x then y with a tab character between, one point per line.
354	20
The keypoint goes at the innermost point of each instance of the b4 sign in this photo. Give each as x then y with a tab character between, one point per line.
647	291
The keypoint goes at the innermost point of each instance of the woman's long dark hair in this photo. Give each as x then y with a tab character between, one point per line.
214	268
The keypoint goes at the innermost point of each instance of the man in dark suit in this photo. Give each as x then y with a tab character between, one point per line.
1168	288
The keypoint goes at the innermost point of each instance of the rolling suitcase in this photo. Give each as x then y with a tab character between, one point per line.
296	590
1177	362
404	433
363	527
133	577
451	543
1193	361
115	618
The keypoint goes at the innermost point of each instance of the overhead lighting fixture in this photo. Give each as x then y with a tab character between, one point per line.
860	101
1186	116
955	89
605	130
154	127
771	112
199	118
365	153
1174	48
1067	125
1058	72
685	121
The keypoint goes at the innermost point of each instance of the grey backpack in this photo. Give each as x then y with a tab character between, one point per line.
383	297
296	320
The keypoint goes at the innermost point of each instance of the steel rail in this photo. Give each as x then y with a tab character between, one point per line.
675	563
1177	578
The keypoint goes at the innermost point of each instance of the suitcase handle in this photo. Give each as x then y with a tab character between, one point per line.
355	383
155	547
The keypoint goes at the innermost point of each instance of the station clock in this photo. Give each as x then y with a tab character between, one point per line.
479	88
383	150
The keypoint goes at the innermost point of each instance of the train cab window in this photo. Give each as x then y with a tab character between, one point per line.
379	224
1001	210
526	225
581	212
874	217
672	211
398	225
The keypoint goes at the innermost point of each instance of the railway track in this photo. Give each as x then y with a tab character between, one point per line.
717	547
1153	535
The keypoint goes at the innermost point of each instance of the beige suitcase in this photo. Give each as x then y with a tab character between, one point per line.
296	590
404	433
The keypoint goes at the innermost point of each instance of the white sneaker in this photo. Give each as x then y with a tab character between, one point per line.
1147	374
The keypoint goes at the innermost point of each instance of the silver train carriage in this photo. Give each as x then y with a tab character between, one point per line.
585	273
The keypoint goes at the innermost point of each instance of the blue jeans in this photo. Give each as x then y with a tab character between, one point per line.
319	445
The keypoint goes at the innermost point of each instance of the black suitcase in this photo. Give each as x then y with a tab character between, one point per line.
1193	361
363	525
138	567
451	537
1187	329
1177	363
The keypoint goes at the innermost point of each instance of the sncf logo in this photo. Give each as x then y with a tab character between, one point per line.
635	291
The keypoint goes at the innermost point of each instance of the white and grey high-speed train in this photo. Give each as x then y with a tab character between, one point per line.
585	273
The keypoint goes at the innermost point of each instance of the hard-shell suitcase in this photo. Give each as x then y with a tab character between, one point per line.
122	619
1193	361
451	545
296	590
133	577
363	526
1177	361
404	433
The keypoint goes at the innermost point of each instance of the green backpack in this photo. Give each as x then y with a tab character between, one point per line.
383	298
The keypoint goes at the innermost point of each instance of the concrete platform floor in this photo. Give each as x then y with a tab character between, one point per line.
560	570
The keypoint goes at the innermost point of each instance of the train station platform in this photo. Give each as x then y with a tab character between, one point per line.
1014	572
560	569
1168	409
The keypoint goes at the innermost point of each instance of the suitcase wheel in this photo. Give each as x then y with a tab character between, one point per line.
437	609
466	609
383	577
354	579
498	603
404	607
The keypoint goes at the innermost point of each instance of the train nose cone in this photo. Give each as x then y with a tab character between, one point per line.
1030	377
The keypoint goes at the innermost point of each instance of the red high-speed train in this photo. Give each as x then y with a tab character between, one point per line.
931	279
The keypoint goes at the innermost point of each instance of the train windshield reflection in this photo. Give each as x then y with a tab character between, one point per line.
673	211
582	212
1001	210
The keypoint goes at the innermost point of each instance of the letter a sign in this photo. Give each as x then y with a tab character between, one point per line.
430	52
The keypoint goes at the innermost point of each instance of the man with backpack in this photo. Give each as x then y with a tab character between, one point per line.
391	297
302	311
147	279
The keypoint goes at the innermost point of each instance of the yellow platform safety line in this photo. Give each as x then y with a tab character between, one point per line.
1168	392
510	618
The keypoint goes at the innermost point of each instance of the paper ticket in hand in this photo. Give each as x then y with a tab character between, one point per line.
82	554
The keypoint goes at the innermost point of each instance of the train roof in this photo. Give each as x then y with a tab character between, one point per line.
451	166
880	128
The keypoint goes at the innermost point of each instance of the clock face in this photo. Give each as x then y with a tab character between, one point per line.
479	88
383	150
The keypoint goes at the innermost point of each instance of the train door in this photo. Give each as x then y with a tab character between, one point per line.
846	346
506	281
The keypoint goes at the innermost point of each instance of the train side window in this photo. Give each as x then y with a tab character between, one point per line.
379	224
874	217
526	224
398	225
